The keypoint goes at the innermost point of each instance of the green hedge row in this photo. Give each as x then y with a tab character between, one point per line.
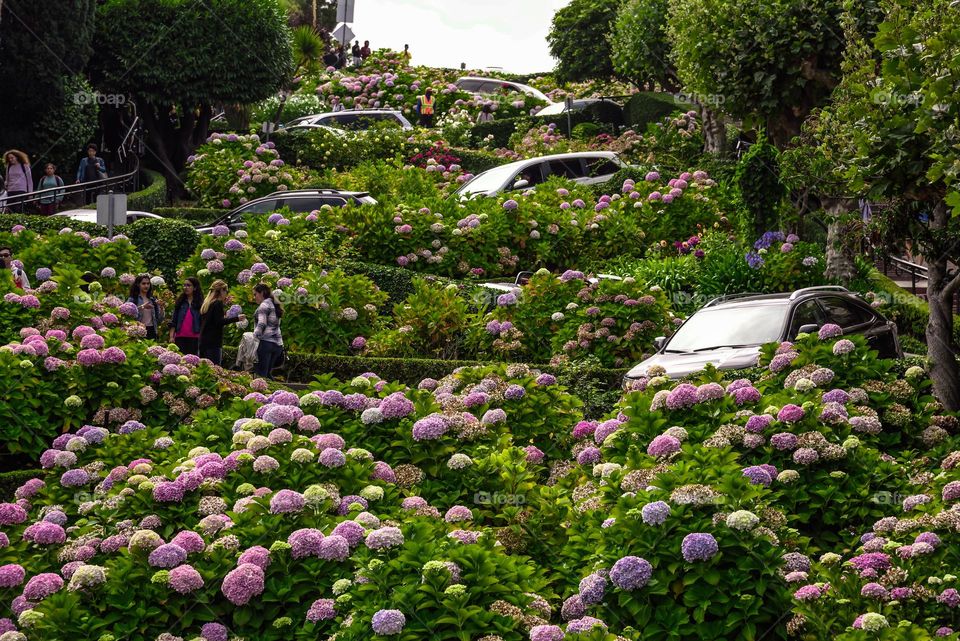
475	161
501	130
10	481
197	215
648	106
153	196
45	224
163	243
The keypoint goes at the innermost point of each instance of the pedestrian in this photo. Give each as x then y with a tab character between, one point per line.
357	57
267	331
330	58
50	180
405	55
185	324
20	280
341	57
485	115
336	104
365	50
18	179
149	309
213	318
91	168
425	107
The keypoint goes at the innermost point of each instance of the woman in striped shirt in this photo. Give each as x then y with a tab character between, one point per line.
267	330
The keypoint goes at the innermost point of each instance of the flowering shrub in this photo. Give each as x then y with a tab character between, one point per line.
569	317
427	324
230	169
225	256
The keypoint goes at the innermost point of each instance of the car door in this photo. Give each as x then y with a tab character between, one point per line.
856	318
533	174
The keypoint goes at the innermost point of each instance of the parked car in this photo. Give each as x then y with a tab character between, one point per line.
579	104
586	168
352	119
90	215
478	85
728	331
298	201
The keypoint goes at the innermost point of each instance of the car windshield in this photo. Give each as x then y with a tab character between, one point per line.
489	180
729	327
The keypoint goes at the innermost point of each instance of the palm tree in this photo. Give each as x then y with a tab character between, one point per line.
308	49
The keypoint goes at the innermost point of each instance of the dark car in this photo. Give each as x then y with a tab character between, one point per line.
727	332
297	201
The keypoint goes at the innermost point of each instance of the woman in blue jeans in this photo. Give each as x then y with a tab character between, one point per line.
267	330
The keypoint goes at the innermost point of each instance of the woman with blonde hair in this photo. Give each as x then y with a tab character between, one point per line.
213	318
18	179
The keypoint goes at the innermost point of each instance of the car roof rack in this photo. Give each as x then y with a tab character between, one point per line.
726	297
821	288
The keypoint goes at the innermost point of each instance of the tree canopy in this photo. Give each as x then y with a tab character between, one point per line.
640	49
578	39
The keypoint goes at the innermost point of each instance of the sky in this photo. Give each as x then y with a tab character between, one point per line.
510	34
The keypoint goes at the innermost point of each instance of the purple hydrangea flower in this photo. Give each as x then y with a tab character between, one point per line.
655	513
243	583
699	546
592	588
321	610
631	573
388	622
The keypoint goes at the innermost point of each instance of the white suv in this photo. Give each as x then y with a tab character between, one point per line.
350	120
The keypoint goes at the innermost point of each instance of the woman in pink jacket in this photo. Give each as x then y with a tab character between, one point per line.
17	177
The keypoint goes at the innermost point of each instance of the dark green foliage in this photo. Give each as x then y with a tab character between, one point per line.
164	244
396	282
475	161
640	46
500	129
650	106
758	176
47	108
578	39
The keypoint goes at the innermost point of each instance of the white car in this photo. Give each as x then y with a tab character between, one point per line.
352	119
90	215
579	104
585	168
478	85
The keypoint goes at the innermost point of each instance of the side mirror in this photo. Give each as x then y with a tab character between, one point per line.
520	184
809	328
659	342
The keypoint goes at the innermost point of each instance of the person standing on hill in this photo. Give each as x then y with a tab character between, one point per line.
365	50
425	107
213	318
355	52
185	324
405	55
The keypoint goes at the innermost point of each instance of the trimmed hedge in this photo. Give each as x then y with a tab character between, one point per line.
501	130
475	161
909	312
197	215
649	106
46	224
163	243
396	282
10	481
152	196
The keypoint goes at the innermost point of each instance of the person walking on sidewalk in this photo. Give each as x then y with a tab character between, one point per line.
50	180
91	168
18	179
185	324
267	331
213	318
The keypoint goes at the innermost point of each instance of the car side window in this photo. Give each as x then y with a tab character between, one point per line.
259	207
302	205
806	313
470	85
845	313
532	174
570	168
597	167
333	202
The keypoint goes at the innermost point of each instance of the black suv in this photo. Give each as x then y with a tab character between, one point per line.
728	331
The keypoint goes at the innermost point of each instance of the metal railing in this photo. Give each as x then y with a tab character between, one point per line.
905	267
126	182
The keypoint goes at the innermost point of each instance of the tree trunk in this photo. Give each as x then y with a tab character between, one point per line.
941	348
840	256
169	145
783	128
714	130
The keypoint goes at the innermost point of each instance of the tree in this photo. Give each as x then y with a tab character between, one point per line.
892	132
47	109
178	58
642	52
768	63
578	39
